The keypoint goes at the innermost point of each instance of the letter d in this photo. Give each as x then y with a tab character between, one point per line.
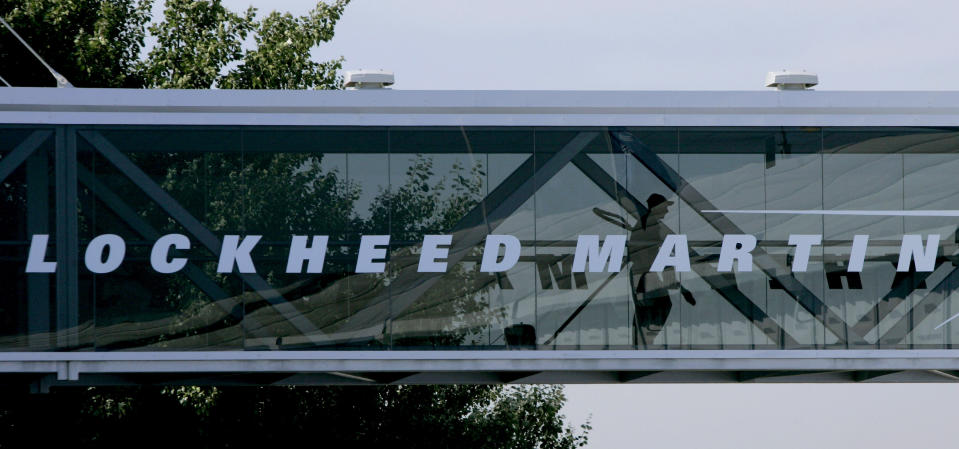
491	253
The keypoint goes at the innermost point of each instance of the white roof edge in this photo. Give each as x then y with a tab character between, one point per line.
22	105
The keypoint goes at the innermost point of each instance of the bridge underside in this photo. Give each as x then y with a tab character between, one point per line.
41	371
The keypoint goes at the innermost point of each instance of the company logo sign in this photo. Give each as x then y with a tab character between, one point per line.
105	253
501	252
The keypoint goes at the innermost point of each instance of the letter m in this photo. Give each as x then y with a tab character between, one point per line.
609	255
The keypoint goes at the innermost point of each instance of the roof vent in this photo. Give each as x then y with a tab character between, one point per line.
791	80
368	79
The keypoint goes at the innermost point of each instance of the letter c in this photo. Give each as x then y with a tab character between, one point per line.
159	256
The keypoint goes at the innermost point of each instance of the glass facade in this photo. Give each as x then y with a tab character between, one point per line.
545	187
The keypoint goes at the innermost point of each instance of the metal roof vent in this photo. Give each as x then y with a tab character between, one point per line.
368	79
791	80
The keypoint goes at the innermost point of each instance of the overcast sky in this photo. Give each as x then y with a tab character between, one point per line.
639	45
688	45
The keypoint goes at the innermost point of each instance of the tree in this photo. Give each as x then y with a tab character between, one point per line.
94	43
475	416
197	41
200	45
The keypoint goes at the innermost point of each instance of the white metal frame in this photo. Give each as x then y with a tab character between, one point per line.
27	105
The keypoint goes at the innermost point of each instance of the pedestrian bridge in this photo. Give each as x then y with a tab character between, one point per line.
371	237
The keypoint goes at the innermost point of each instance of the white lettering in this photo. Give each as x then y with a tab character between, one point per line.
115	248
314	255
159	255
369	250
38	250
803	244
432	251
106	252
912	250
857	255
237	253
511	254
736	247
611	253
674	253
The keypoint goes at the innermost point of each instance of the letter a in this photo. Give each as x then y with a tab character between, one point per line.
673	244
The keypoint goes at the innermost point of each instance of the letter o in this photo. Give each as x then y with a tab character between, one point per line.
94	255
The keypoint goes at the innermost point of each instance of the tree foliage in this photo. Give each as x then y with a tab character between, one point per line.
94	43
474	416
201	45
277	62
198	45
195	41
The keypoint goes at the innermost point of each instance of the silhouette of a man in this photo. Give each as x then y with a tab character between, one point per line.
650	291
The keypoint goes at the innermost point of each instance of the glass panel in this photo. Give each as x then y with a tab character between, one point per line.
795	183
436	185
513	294
299	185
468	183
927	187
577	310
725	170
655	319
204	196
27	304
863	170
364	297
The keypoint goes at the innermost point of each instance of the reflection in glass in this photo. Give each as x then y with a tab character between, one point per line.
27	306
545	186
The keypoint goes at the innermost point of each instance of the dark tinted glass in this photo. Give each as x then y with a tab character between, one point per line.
545	187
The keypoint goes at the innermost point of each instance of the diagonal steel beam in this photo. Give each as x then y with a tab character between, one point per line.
147	231
579	309
890	301
138	224
473	228
21	152
896	296
520	186
922	309
720	282
200	232
766	263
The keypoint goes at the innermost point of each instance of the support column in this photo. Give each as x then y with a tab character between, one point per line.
38	222
68	302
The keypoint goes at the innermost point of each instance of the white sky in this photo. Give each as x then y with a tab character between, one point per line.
693	45
639	45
